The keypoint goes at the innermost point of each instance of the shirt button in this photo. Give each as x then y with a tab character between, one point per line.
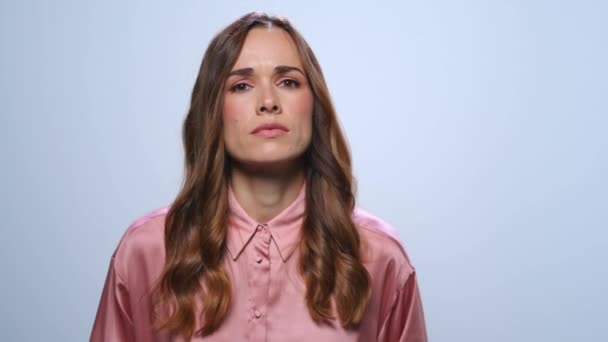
258	259
257	313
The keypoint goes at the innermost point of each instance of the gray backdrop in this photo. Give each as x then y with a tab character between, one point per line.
478	129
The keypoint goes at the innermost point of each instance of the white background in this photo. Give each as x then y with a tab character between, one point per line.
478	129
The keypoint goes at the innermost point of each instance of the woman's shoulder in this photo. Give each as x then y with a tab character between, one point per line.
144	231
142	244
381	246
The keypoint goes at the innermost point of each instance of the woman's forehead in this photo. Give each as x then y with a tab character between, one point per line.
266	48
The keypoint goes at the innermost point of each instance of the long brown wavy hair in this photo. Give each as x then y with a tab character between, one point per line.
196	224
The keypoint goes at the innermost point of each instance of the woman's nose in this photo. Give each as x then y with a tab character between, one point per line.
269	103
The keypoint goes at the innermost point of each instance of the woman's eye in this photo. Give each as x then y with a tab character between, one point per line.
239	87
291	83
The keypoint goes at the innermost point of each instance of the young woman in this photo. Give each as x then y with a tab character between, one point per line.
264	242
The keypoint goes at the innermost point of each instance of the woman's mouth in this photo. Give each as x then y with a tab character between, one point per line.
270	130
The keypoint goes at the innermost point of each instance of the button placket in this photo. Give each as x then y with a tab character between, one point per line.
259	280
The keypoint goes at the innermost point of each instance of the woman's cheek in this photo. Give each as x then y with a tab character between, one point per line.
232	115
231	122
230	110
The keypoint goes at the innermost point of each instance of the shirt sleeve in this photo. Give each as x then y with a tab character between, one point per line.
113	321
405	320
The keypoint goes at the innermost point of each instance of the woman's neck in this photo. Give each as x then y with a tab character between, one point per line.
263	195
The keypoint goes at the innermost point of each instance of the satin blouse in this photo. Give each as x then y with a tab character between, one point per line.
268	293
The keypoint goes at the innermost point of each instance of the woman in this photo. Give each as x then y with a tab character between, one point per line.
264	242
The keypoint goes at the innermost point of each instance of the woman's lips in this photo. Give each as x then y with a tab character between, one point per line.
270	132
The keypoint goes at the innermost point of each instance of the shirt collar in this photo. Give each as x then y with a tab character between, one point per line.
285	228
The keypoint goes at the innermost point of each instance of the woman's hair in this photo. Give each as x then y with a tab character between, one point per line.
196	224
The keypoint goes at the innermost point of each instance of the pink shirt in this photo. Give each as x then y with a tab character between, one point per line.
268	292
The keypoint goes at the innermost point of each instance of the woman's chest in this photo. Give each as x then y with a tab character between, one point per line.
269	304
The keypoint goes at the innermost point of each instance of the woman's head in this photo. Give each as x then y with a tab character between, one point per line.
267	88
259	70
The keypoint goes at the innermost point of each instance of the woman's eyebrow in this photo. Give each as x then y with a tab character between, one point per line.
283	69
279	69
241	72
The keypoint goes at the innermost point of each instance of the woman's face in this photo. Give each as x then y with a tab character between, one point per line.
267	86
